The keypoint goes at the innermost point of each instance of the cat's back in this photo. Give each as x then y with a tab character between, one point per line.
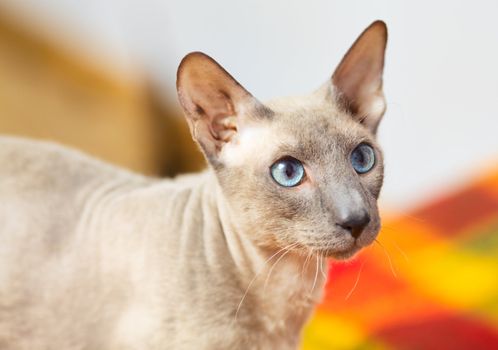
28	164
43	184
45	189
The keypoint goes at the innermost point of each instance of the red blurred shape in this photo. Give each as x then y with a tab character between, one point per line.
457	213
440	333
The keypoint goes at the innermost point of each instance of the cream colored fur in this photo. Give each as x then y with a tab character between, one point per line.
93	257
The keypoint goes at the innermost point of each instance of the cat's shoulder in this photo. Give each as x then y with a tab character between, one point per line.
39	159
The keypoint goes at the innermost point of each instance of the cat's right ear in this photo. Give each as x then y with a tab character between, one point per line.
215	104
358	78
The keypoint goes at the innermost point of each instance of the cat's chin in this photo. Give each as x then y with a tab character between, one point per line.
344	255
336	254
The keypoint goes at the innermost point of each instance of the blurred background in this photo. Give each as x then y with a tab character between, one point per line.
100	76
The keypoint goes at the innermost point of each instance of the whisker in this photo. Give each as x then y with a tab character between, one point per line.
390	228
356	282
253	280
401	251
305	264
395	230
412	217
288	249
316	275
321	268
388	258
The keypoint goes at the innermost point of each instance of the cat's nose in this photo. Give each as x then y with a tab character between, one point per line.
355	222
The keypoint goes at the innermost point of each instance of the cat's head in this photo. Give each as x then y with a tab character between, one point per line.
305	171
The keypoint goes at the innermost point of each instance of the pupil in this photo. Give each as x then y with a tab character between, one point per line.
289	170
360	158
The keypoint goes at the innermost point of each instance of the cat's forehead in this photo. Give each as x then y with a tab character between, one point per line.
314	123
309	128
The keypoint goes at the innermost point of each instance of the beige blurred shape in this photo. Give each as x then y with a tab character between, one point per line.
47	92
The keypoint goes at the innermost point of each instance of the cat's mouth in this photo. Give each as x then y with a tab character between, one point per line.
342	250
338	245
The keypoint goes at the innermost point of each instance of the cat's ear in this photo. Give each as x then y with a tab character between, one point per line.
358	78
215	104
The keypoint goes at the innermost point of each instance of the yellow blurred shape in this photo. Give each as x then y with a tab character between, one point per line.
455	276
327	332
408	234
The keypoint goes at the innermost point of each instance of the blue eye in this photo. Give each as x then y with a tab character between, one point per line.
363	158
287	172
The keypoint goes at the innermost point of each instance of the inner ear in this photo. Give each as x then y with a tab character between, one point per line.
218	113
358	78
215	104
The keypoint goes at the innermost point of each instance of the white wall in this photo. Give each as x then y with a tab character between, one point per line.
441	76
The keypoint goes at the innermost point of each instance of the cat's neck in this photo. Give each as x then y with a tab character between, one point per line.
282	284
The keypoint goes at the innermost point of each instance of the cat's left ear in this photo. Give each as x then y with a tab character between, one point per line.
215	104
358	78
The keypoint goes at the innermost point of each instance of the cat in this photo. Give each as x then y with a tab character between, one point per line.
95	257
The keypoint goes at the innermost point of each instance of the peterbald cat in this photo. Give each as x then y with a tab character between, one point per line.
95	257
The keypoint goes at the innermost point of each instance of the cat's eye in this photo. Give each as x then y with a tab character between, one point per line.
287	172
363	158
